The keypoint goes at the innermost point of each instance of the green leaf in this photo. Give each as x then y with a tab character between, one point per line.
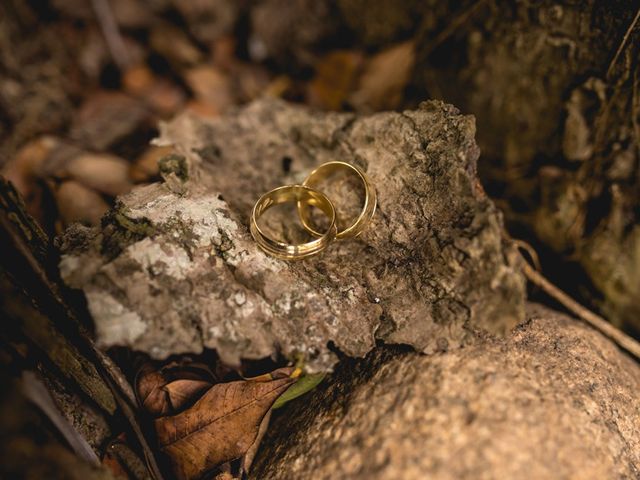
302	386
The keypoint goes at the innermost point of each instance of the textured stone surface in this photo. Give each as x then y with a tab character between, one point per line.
553	400
174	269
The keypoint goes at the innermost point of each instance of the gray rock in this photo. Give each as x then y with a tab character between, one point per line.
173	268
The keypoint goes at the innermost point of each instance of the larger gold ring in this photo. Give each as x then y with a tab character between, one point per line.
322	172
302	195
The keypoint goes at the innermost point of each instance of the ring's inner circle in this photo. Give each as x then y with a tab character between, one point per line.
346	190
278	217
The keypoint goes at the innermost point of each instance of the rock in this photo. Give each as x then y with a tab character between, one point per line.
548	93
175	270
553	400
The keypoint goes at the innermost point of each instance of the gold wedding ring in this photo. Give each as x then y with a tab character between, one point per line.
326	170
299	194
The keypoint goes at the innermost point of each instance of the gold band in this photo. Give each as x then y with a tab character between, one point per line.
302	195
368	209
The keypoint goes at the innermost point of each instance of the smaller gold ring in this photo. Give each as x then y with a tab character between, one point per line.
301	195
368	209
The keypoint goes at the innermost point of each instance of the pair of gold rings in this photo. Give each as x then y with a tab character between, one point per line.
305	196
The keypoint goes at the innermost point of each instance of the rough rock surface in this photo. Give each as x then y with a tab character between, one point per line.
553	400
555	88
174	269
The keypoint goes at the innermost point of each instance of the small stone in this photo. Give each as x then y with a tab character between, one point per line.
101	171
77	203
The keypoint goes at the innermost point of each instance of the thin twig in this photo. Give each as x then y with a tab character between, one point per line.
452	26
530	251
109	27
130	415
623	44
635	107
596	321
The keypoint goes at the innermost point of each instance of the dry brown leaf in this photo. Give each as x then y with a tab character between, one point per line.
145	166
166	391
221	426
384	79
22	171
182	392
165	98
137	79
174	45
334	80
212	87
150	394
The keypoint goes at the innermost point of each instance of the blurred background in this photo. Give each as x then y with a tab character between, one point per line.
554	87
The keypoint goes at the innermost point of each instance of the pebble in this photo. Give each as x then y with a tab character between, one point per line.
101	171
77	203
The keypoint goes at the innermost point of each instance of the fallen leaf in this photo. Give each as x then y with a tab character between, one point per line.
303	385
212	87
165	98
145	166
181	392
168	390
22	172
174	45
335	78
250	455
137	79
384	78
221	426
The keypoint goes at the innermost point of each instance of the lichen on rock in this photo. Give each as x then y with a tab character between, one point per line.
431	271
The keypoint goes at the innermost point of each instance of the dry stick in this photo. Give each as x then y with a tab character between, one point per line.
452	26
130	415
623	43
635	102
109	28
596	321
